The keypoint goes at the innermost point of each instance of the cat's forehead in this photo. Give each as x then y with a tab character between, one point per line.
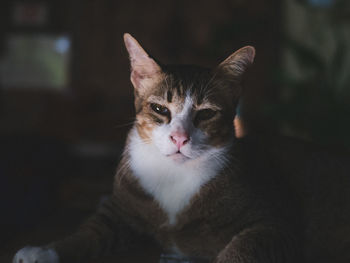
181	82
187	80
197	84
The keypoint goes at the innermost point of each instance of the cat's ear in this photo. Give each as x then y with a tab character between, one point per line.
145	72
237	63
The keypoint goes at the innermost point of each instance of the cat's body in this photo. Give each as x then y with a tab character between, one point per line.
186	182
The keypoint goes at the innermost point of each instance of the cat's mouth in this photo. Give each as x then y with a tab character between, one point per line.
178	157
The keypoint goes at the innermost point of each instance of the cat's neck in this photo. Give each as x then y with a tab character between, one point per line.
171	184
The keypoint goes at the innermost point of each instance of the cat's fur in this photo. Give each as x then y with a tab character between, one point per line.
186	182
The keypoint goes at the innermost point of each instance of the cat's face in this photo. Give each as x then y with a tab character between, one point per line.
183	117
185	111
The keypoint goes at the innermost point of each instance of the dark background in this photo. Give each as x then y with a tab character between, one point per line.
59	150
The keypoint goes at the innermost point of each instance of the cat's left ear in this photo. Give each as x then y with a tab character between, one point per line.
237	63
145	72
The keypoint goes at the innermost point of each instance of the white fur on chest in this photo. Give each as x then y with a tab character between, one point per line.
171	184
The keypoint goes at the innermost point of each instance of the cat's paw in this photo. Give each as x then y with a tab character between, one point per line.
35	255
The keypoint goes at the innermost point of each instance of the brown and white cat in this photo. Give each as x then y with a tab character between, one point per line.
188	183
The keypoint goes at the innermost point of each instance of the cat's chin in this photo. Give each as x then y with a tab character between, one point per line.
178	157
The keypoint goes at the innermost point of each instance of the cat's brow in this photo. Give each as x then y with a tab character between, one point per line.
155	99
208	105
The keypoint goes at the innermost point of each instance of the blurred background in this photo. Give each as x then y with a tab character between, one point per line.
66	102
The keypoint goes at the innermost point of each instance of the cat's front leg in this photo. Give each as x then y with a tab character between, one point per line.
93	239
82	246
261	244
36	255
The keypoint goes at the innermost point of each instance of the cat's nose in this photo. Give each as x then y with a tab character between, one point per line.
179	139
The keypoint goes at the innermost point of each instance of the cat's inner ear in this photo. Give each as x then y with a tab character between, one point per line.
236	64
145	72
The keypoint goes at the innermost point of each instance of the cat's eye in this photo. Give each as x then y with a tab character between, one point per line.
160	109
205	114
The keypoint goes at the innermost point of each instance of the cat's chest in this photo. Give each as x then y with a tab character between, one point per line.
172	185
173	190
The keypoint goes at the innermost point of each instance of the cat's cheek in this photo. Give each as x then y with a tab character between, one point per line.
197	144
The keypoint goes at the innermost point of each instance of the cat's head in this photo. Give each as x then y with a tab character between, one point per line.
185	111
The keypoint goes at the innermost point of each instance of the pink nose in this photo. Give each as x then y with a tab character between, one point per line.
179	139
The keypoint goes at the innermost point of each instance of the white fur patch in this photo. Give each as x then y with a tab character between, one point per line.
36	255
171	184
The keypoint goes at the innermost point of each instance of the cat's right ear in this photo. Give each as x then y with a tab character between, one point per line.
236	64
145	72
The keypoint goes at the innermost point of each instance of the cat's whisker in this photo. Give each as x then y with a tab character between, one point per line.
123	170
143	142
124	124
204	89
221	159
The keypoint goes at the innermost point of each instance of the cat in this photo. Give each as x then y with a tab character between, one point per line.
188	183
